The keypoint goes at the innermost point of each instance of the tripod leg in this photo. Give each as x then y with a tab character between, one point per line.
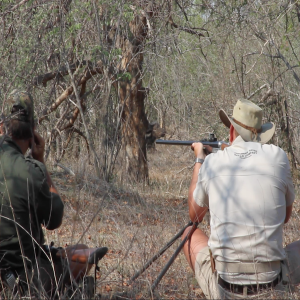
159	253
169	263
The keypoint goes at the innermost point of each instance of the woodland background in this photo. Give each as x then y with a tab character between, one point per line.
109	77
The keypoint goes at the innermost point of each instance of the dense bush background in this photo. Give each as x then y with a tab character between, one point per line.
196	56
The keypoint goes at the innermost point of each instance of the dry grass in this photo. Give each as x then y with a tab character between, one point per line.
134	223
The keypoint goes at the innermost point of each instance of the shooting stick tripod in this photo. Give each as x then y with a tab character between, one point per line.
162	250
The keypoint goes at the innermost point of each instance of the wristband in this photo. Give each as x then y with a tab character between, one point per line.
199	160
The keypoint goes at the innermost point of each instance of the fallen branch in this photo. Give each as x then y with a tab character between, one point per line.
69	171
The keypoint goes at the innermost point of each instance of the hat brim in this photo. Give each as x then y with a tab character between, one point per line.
268	130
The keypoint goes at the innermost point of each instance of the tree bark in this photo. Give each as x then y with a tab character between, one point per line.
132	96
134	129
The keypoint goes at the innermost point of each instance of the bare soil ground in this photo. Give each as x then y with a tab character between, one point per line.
135	222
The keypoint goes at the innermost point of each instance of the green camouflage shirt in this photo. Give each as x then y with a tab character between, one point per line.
25	204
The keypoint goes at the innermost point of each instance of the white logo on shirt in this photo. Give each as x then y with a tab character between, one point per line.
247	154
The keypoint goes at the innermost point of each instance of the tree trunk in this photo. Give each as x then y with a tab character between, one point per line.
132	96
134	128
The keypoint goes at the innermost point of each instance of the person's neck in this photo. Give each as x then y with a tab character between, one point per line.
233	135
23	144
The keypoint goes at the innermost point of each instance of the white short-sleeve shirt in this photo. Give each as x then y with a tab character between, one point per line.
247	188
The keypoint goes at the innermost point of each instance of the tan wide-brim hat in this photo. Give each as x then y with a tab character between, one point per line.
247	121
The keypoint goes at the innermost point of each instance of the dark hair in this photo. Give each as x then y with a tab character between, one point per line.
19	129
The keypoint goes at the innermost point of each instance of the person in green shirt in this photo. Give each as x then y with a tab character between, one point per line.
28	197
28	202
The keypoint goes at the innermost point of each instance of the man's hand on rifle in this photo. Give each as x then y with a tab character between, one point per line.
37	147
201	150
198	149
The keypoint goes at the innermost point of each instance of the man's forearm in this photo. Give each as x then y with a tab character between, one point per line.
194	181
195	211
288	214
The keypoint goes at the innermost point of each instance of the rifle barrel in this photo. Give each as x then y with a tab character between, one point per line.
215	144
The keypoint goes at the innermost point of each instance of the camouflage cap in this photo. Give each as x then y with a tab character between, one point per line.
20	103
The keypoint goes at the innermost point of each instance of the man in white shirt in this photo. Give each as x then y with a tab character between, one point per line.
249	191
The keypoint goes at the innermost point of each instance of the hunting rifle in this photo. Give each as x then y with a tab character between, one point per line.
211	141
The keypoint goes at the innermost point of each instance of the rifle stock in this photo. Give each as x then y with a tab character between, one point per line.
82	255
80	258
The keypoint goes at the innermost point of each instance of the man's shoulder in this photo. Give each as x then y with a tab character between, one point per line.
269	150
274	148
273	152
246	151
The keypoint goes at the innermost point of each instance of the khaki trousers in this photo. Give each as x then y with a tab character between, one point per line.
208	280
